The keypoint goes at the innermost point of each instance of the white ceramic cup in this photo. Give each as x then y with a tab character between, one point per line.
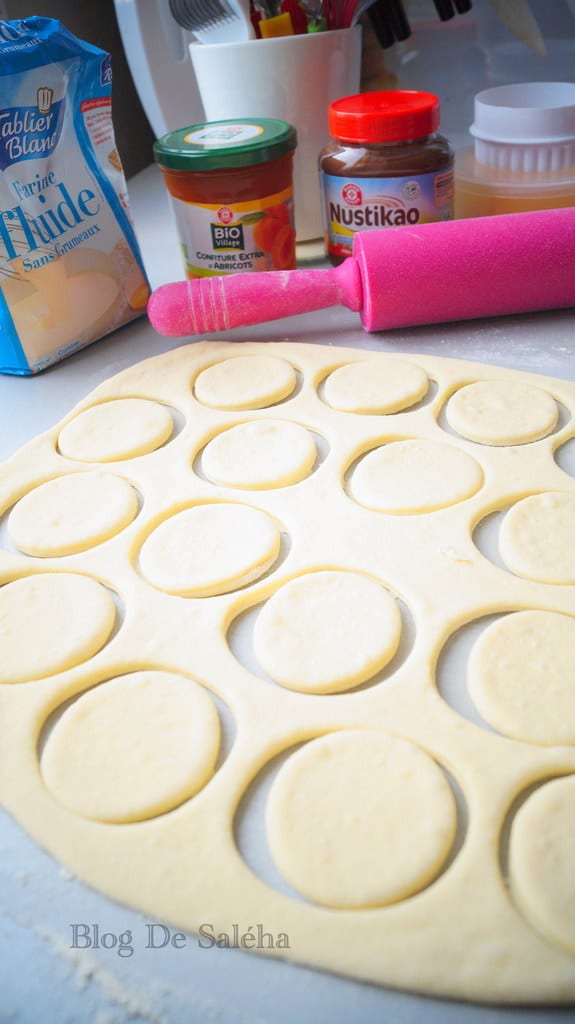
293	78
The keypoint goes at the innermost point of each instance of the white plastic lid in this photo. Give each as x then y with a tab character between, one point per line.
526	127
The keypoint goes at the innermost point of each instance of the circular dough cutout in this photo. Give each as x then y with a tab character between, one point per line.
210	549
133	748
501	412
522	677
374	386
536	538
414	476
51	623
120	429
260	454
542	859
245	382
326	632
360	819
72	513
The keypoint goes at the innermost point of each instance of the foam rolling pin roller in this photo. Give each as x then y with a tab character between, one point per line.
456	270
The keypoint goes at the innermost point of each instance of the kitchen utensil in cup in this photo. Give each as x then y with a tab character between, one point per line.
214	21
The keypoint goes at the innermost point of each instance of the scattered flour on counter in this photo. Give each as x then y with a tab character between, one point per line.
86	970
128	1003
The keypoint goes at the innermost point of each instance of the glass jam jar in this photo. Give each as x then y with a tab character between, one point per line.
231	189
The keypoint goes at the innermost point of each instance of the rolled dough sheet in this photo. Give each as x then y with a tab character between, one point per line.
350	566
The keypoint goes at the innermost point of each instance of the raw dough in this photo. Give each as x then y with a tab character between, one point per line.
133	747
50	623
72	513
360	819
371	386
327	631
536	538
522	677
365	833
501	412
542	861
210	549
414	476
120	429
245	382
260	454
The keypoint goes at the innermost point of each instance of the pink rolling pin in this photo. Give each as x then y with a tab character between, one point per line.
398	277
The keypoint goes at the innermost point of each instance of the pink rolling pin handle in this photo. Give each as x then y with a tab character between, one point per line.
211	304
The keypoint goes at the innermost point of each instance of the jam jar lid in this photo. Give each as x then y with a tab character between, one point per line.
391	115
224	145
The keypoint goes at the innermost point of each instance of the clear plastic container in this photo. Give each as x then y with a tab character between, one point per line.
523	157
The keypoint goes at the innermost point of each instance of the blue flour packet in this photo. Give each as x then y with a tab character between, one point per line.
70	267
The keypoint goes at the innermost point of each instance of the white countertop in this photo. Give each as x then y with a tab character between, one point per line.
42	981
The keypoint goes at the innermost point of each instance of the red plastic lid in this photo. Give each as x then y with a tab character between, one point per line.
393	115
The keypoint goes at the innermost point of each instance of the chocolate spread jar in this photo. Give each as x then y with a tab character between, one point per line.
387	166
